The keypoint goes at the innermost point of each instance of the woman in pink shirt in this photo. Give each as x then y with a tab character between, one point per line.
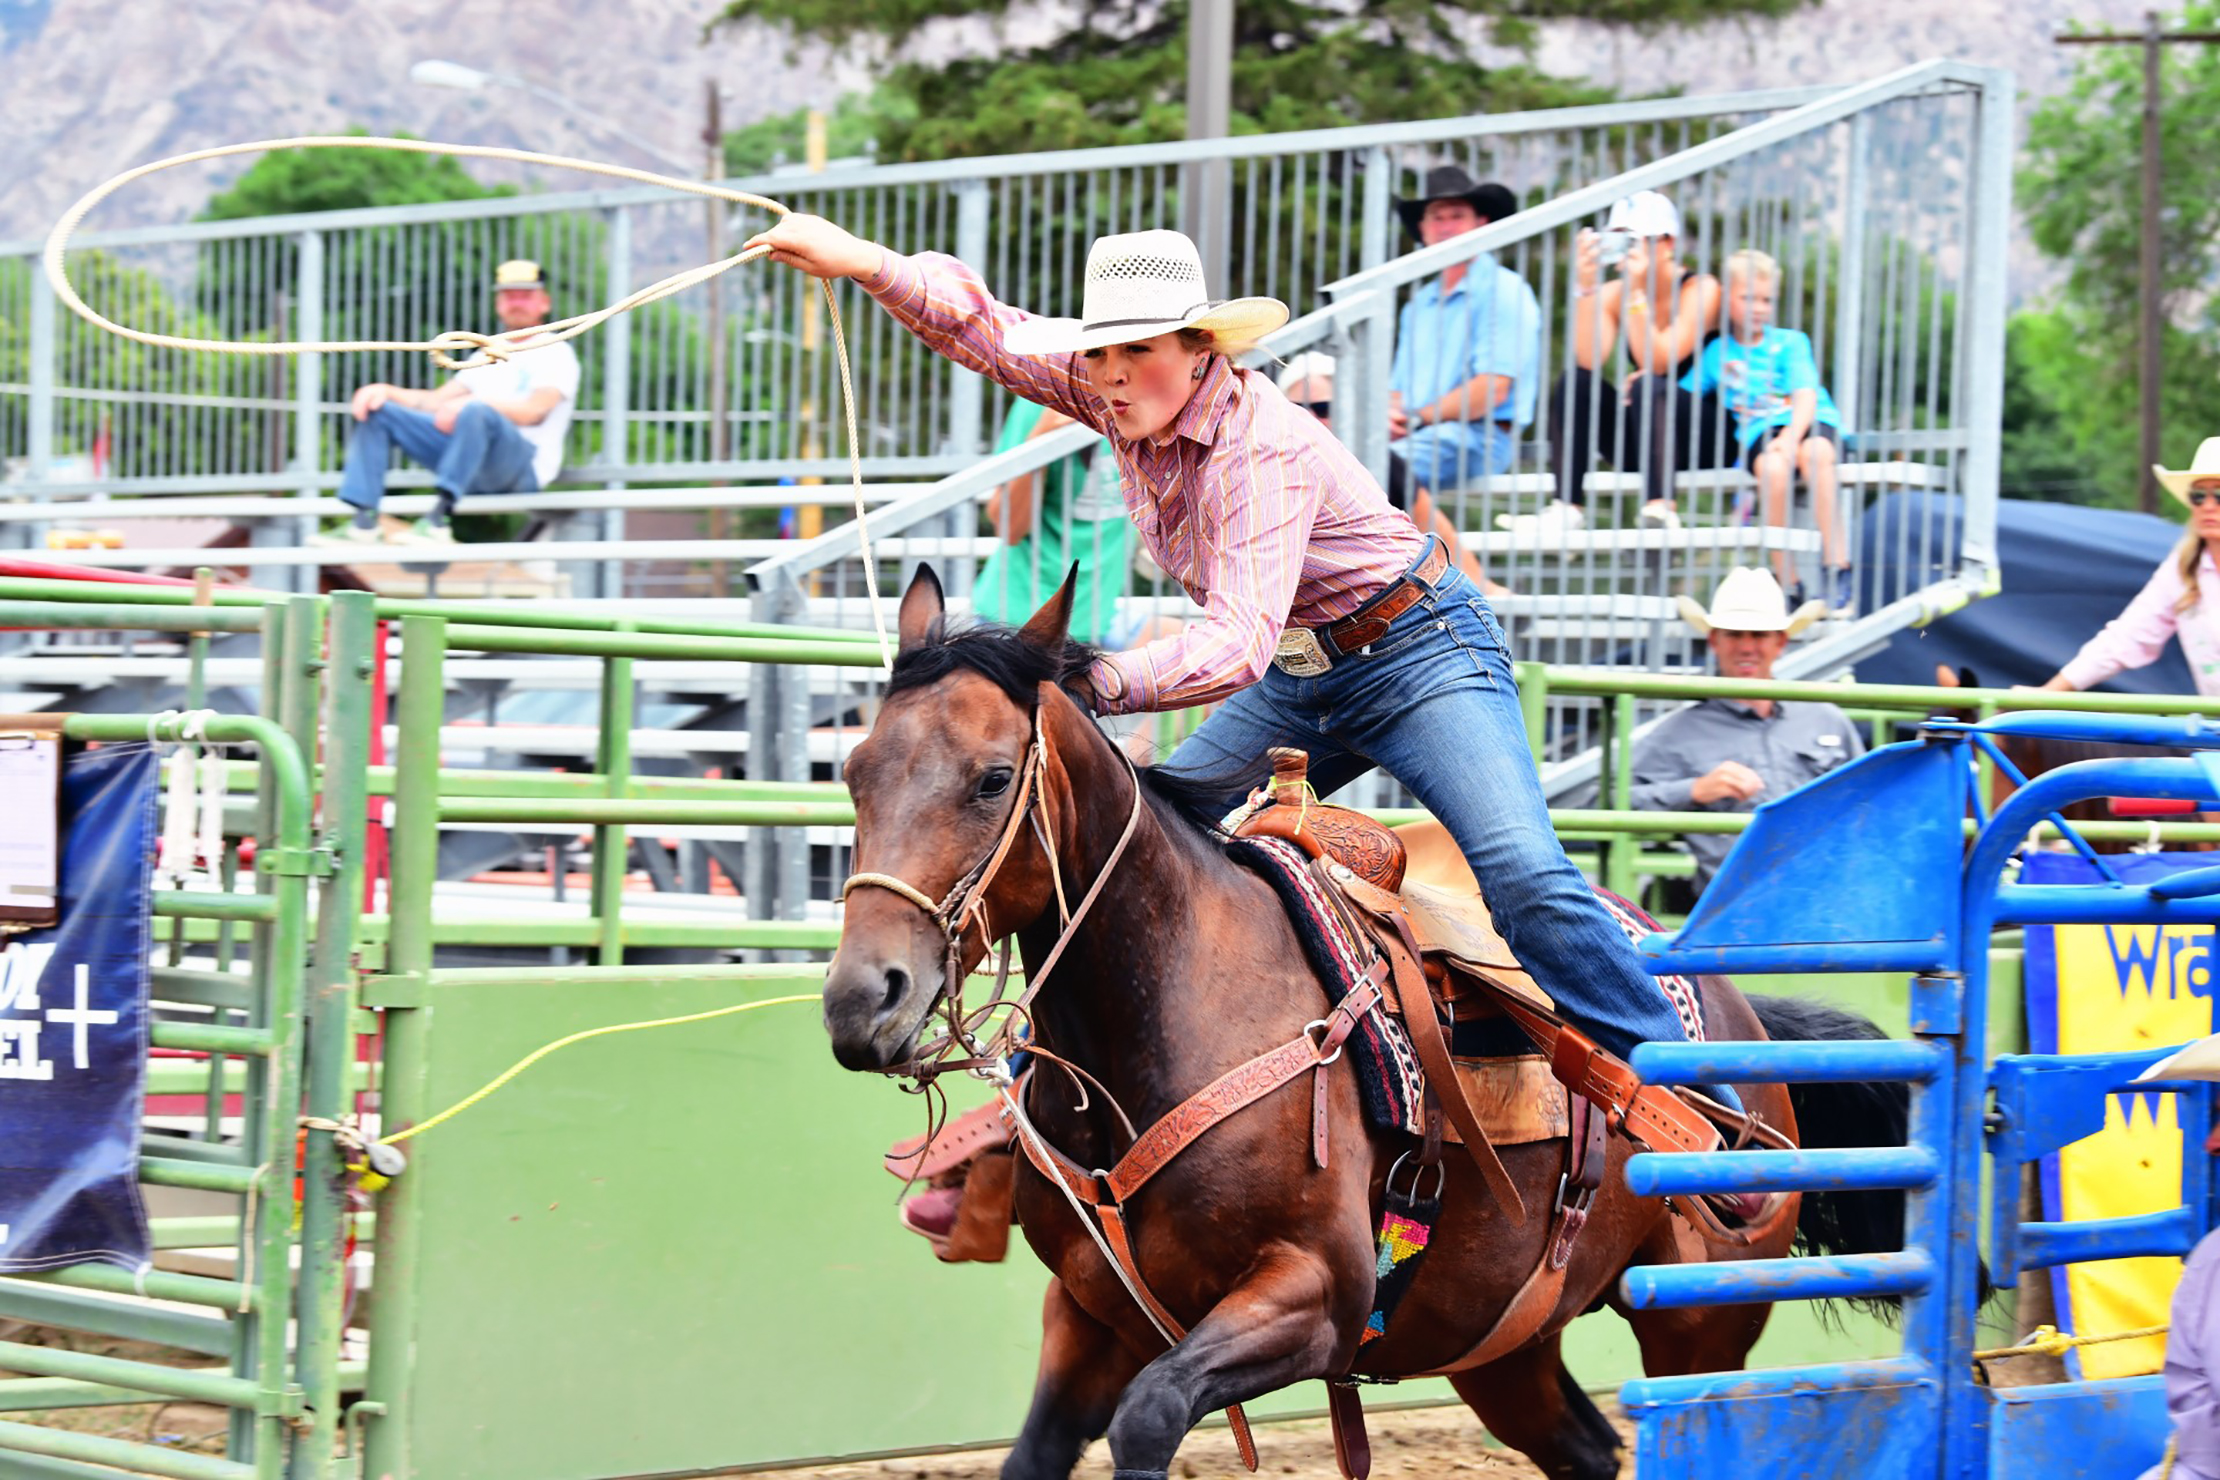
2181	599
1329	622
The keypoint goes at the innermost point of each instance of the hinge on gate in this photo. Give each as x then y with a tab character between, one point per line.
315	863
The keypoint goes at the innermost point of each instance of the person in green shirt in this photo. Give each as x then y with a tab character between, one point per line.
1071	510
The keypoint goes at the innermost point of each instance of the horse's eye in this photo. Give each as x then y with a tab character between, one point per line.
995	782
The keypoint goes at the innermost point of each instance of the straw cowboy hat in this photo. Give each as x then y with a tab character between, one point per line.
1448	182
2198	1060
1750	600
1140	284
2206	464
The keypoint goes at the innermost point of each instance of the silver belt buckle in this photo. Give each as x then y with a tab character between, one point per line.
1300	655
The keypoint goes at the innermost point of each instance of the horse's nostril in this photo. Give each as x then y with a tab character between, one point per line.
897	988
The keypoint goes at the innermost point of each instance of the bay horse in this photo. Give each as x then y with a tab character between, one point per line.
1181	965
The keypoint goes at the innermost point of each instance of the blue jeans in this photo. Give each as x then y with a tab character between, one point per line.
485	453
1434	704
1449	454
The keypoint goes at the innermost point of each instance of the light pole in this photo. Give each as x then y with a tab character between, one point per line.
472	79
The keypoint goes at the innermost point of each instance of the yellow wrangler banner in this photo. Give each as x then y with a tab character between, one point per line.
2113	989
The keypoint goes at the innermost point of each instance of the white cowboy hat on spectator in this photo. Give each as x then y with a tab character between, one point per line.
2206	464
1750	600
2198	1060
1309	365
1140	284
1645	213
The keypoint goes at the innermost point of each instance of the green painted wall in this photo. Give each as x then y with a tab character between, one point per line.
675	1250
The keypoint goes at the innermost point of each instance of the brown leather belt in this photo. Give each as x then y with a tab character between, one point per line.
1369	622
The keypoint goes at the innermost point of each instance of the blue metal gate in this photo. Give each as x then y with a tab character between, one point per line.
1868	870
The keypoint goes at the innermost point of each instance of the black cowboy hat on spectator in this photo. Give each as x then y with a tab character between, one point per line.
1450	182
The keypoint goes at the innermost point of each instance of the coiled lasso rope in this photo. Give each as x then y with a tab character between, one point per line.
493	347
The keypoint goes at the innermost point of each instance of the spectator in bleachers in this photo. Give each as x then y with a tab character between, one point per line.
2173	602
497	427
1784	419
1727	755
1070	511
1308	381
2192	1370
1666	314
1468	348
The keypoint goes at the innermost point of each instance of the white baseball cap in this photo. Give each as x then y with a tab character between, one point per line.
1645	213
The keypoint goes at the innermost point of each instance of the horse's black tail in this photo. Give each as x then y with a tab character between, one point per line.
1842	1115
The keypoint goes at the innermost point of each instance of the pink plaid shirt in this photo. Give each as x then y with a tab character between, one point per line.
1246	500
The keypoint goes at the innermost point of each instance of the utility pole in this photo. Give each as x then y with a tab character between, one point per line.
720	439
2150	334
1205	199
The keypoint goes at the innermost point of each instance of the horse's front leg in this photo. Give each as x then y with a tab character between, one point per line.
1084	1368
1279	1325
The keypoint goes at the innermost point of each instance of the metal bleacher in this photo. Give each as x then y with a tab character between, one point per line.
1885	202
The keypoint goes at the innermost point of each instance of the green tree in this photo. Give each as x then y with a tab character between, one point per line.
184	417
1117	74
2071	408
246	288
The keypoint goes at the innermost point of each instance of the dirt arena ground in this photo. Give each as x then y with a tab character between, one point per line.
1407	1444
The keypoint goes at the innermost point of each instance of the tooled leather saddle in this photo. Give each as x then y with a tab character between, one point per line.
1470	971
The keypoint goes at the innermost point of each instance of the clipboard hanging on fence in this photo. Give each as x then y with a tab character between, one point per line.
31	841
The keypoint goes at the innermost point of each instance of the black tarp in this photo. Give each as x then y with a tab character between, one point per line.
2068	570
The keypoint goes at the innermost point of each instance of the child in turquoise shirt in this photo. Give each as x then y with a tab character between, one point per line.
1784	419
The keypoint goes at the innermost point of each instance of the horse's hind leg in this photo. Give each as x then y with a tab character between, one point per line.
1712	1338
1083	1371
1530	1402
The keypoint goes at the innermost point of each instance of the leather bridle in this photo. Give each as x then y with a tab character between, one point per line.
963	906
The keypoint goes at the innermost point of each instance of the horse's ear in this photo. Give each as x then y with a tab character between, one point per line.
1946	677
1050	627
922	605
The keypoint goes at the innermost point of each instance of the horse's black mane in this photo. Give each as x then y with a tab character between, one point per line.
1018	666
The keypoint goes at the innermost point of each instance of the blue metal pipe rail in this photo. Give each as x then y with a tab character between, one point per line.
1683	1173
1865	870
1763	1281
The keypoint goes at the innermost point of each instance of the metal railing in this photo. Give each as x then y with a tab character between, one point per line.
782	844
1308	208
1886	204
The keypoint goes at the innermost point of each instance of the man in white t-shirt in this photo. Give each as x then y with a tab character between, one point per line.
497	427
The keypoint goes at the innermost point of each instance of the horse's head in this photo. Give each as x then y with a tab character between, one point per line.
944	857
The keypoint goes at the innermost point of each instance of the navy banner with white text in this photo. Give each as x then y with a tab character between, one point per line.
73	1031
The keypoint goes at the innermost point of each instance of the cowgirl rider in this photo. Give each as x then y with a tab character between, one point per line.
1330	623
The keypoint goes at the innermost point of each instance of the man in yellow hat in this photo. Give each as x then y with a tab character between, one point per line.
497	427
1727	755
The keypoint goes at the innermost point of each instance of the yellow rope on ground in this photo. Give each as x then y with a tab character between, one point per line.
484	346
2049	1341
537	1054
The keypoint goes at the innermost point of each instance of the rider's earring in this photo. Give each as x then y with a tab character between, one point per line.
1198	371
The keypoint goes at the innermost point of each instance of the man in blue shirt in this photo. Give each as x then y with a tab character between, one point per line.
1468	346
